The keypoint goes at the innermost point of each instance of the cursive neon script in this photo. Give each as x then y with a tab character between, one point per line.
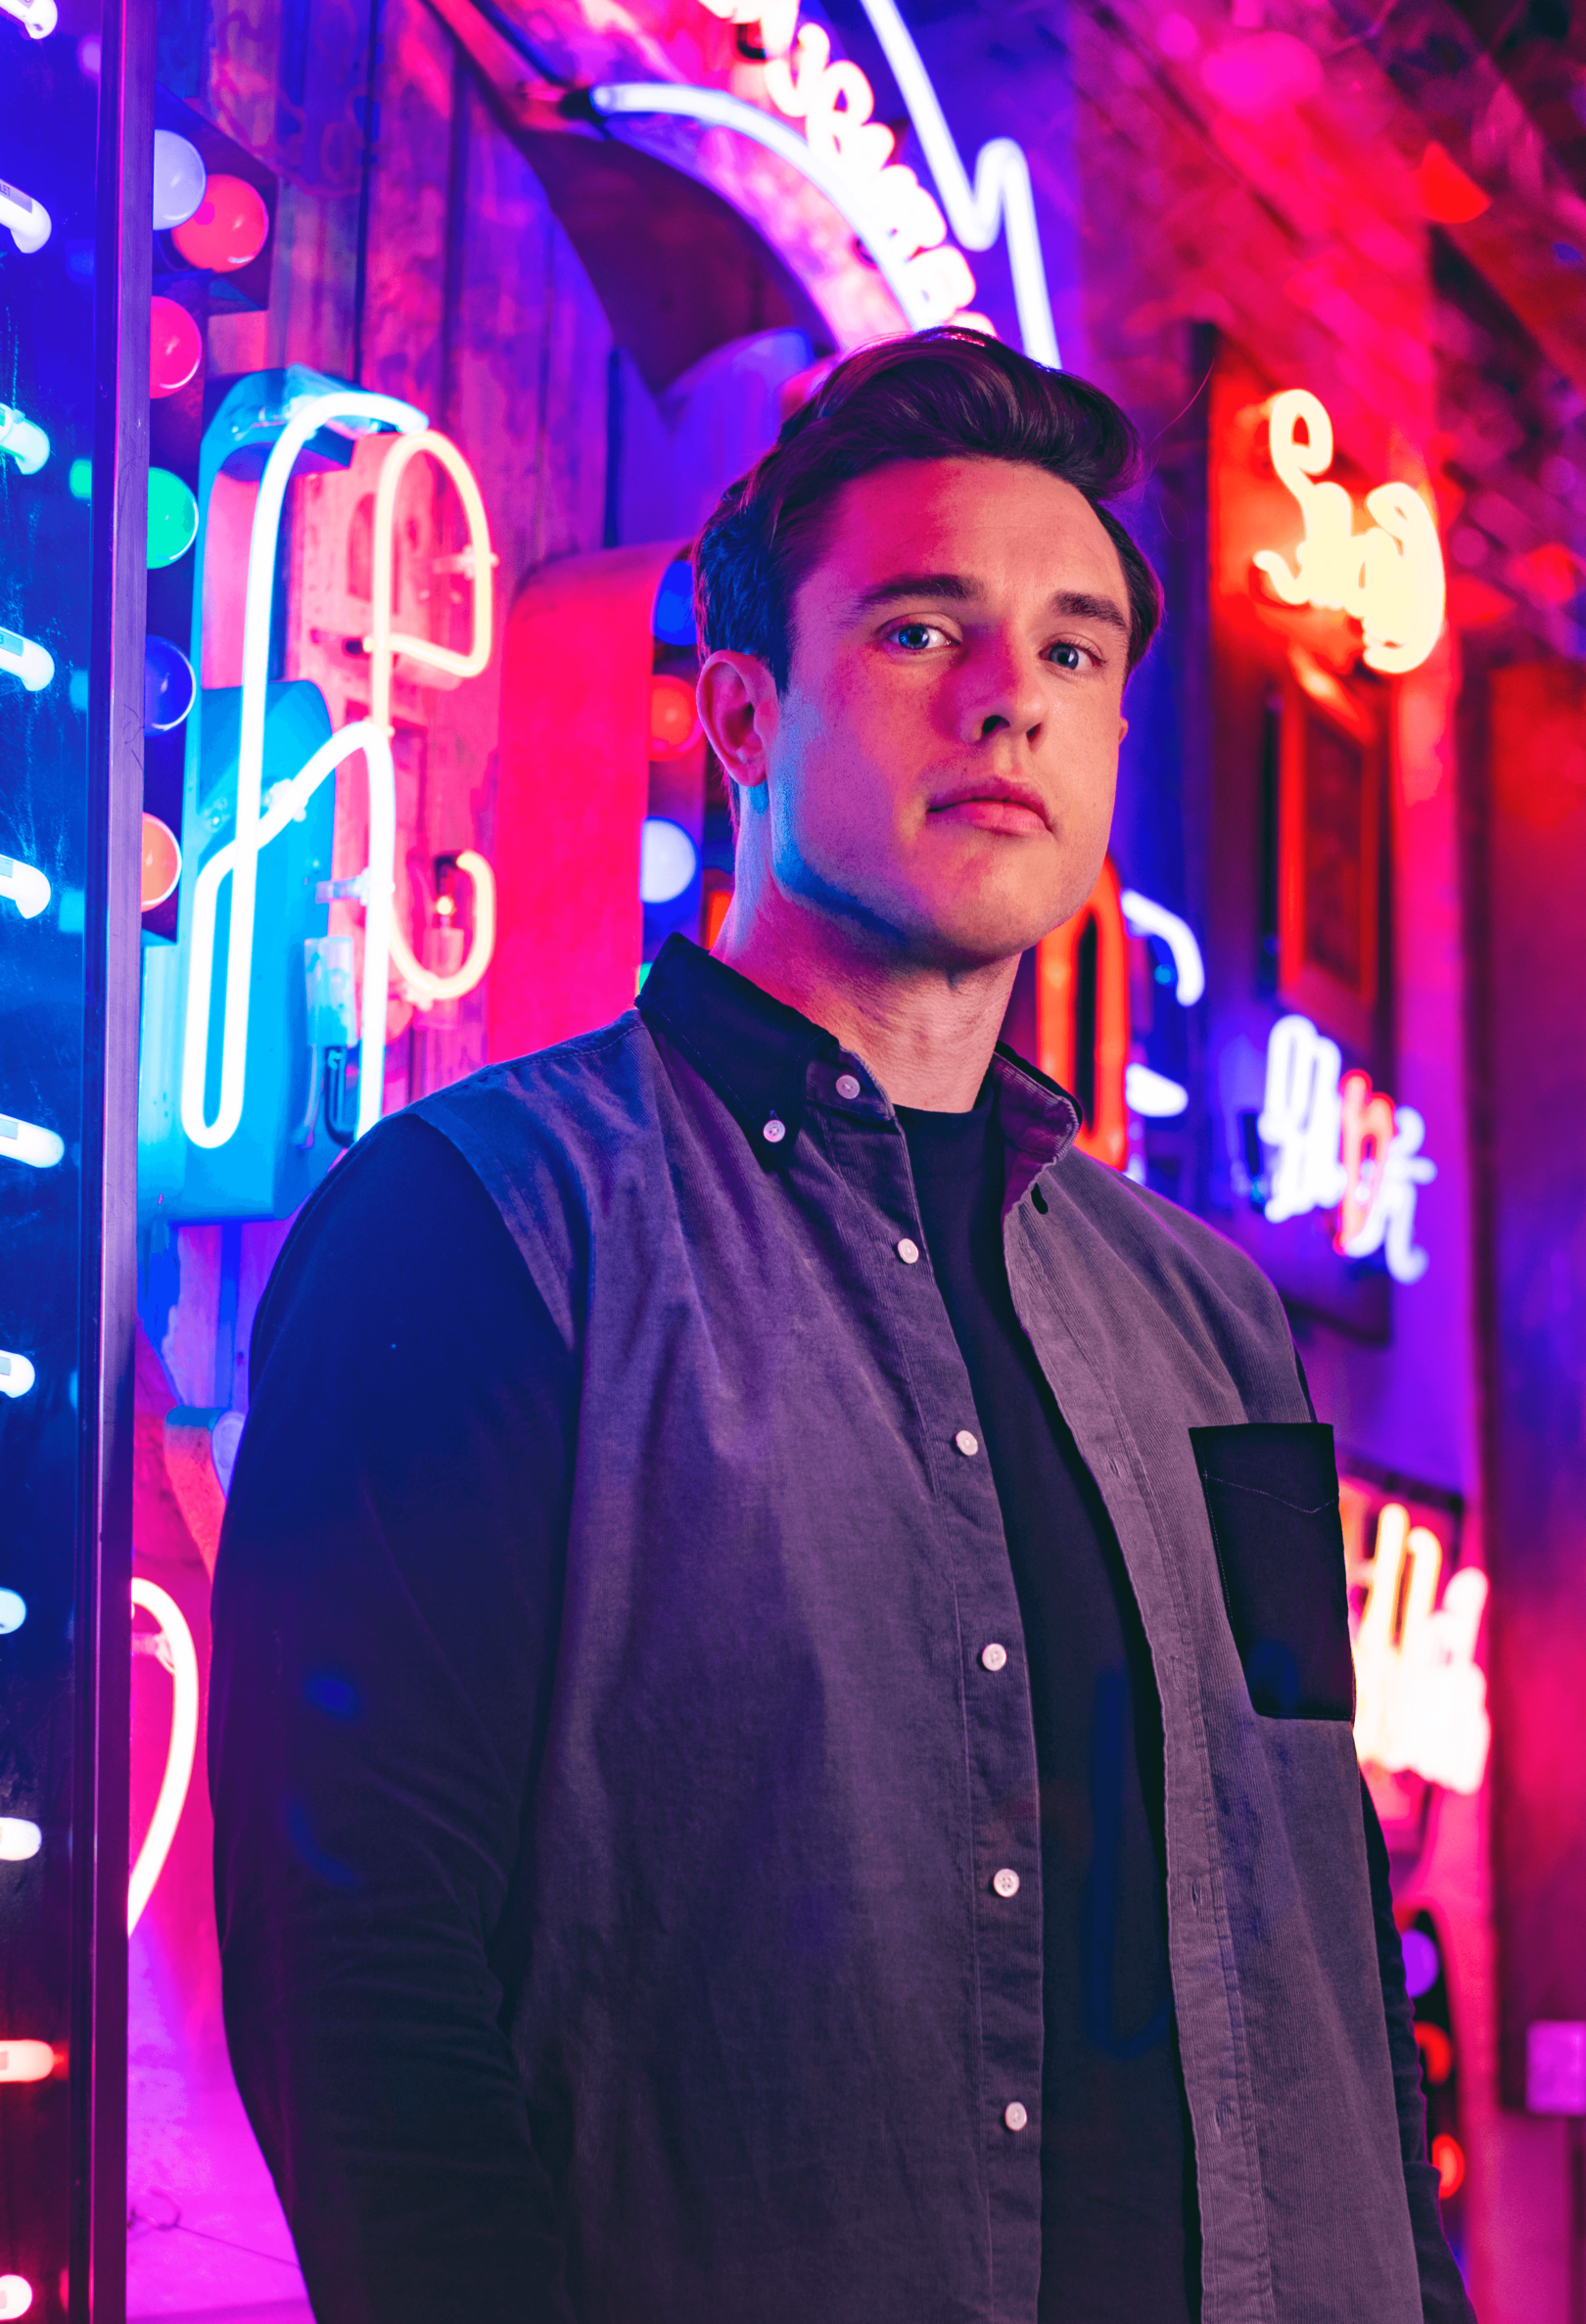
1390	577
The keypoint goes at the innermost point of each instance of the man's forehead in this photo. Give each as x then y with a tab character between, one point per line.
963	529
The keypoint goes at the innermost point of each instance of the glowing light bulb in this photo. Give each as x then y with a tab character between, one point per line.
26	2061
26	886
16	2292
29	220
25	1142
32	663
23	440
173	518
12	1610
161	862
16	1376
19	1839
179	178
39	18
667	859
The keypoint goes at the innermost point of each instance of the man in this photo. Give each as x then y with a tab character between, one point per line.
781	1722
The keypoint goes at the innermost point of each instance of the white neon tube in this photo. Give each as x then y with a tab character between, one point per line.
178	1641
39	17
1002	196
1147	919
714	108
25	659
26	886
25	1142
286	803
16	1376
1152	1095
312	414
29	220
23	438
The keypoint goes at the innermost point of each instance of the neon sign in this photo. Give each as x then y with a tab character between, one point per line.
1390	577
173	1648
1121	1084
259	820
845	155
1421	1699
1338	1141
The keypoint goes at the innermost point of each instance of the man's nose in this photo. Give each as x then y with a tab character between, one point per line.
1001	692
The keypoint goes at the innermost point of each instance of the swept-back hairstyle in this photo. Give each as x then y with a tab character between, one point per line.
943	395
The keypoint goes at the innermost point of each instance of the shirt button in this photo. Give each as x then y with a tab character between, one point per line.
994	1656
847	1087
908	1252
775	1131
1007	1881
1015	2115
967	1442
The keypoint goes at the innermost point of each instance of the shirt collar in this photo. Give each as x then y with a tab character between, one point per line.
769	1063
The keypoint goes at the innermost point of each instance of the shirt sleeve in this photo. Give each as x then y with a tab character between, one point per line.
1443	2297
386	1609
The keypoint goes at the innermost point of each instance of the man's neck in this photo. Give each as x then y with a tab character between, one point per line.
925	1032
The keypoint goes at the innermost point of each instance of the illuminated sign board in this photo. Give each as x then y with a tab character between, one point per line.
1338	1141
1389	578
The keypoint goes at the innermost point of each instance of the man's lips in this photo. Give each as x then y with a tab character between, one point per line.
995	806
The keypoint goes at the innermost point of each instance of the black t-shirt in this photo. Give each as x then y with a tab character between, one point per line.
1119	2239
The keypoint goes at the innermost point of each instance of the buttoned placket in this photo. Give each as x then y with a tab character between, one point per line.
868	1145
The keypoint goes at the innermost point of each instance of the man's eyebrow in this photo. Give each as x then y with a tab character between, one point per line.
922	585
1081	605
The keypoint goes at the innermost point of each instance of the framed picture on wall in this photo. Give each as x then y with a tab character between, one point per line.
1330	853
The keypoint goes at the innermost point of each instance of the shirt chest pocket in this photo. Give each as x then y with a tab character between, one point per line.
1272	1494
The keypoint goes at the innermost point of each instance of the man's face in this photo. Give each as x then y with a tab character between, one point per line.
939	773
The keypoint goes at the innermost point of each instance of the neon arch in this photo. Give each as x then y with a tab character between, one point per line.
1000	197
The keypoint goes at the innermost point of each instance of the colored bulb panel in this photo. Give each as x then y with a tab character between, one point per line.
179	180
674	718
228	229
172	518
81	479
26	2061
26	886
161	862
25	1142
169	687
19	1839
175	347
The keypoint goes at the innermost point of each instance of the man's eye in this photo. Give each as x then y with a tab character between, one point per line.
915	637
1071	657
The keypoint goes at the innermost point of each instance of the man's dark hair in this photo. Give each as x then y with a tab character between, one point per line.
944	395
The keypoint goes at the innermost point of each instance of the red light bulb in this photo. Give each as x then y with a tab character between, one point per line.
228	230
175	347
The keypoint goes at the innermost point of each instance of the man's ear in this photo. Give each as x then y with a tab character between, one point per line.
739	709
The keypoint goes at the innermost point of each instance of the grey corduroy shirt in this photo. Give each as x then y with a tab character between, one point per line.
711	1797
